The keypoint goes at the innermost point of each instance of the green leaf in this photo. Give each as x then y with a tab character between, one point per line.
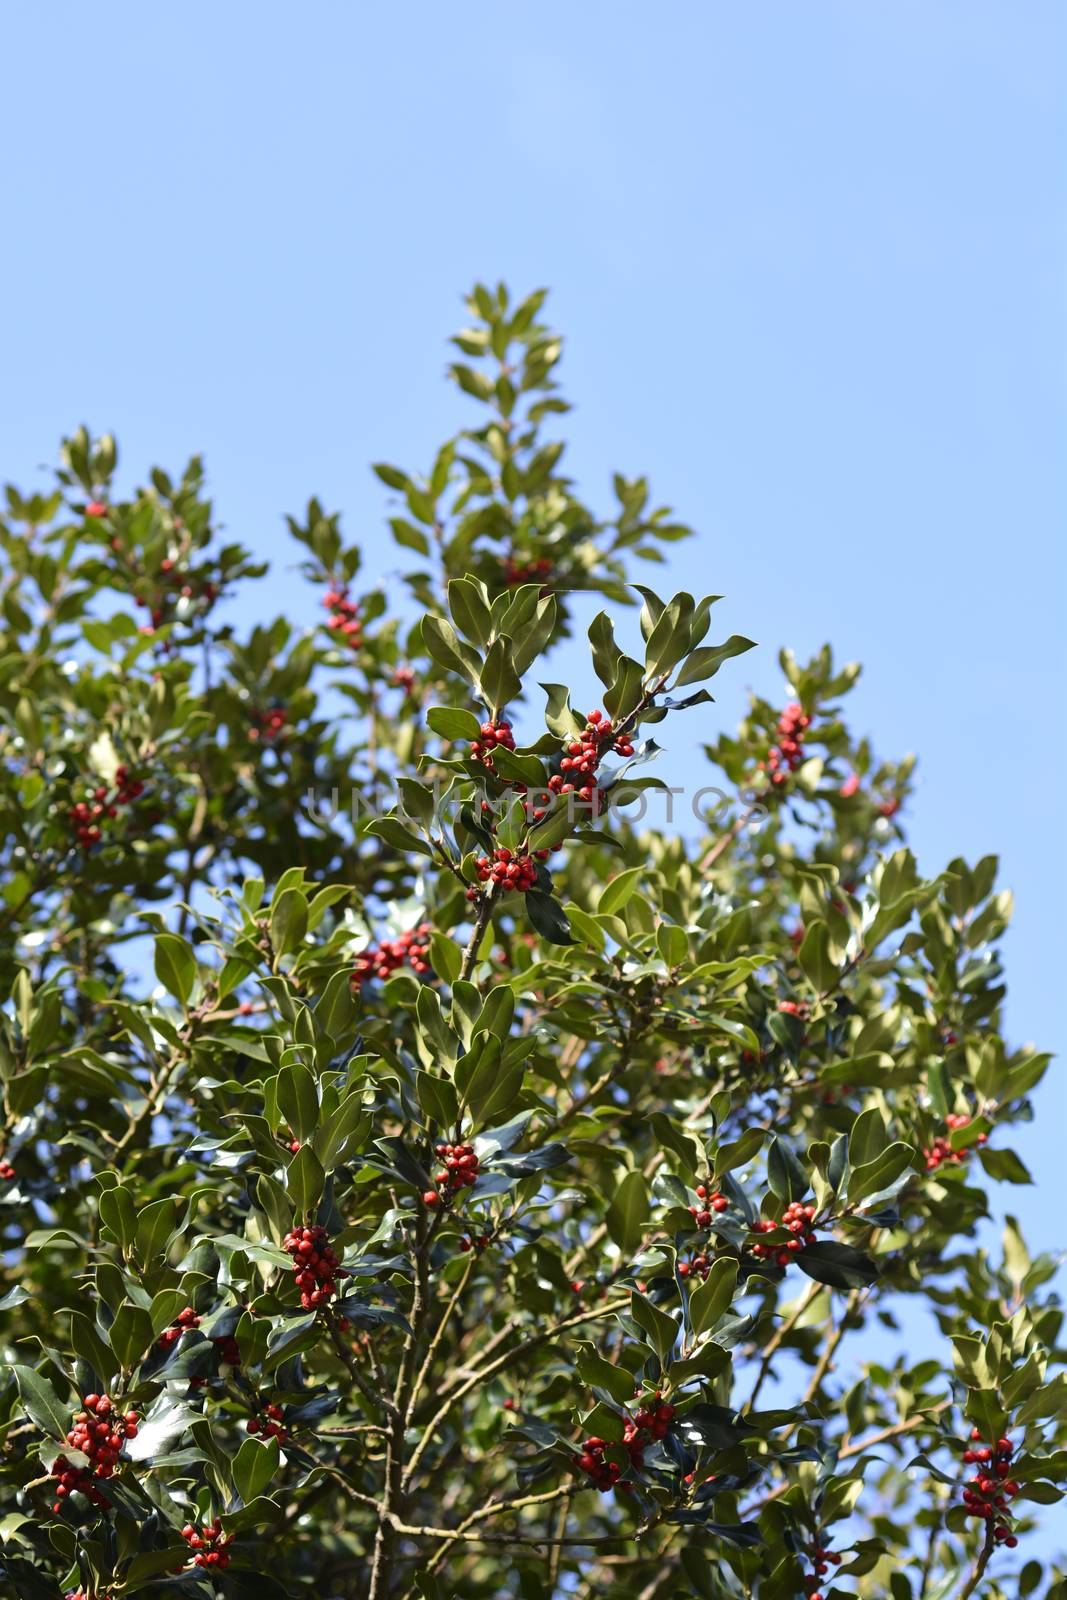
254	1467
469	611
672	943
838	1265
868	1137
814	956
175	966
305	1179
452	722
711	1299
627	1213
446	957
155	1225
786	1176
444	647
117	1213
438	1099
347	1127
705	662
298	1099
661	1329
873	1180
288	921
499	681
43	1406
131	1334
1004	1166
548	917
598	1373
618	890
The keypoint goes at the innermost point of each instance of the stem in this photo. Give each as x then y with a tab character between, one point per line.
974	1577
716	850
493	1367
481	922
774	1343
830	1348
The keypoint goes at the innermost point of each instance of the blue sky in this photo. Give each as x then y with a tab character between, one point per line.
810	262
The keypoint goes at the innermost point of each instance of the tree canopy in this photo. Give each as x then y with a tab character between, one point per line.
426	1170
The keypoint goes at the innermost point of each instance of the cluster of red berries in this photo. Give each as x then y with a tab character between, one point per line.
650	1422
183	1321
7	1171
411	949
210	1544
512	869
315	1265
228	1350
822	1559
96	508
174	577
794	1008
491	734
583	755
102	802
404	678
710	1200
941	1150
890	807
344	616
87	1594
459	1171
798	1220
516	572
268	725
697	1266
478	1244
991	1491
785	757
269	1425
99	1432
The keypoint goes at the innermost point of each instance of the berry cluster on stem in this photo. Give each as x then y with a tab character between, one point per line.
315	1265
651	1422
992	1489
183	1321
941	1150
177	585
344	616
582	756
99	1431
512	869
822	1559
269	725
490	735
516	572
459	1171
102	804
227	1349
269	1424
798	1220
7	1171
210	1544
786	756
380	961
710	1200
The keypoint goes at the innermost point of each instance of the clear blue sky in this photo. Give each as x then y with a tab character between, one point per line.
810	260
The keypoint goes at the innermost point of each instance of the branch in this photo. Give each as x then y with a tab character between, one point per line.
493	1367
974	1577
